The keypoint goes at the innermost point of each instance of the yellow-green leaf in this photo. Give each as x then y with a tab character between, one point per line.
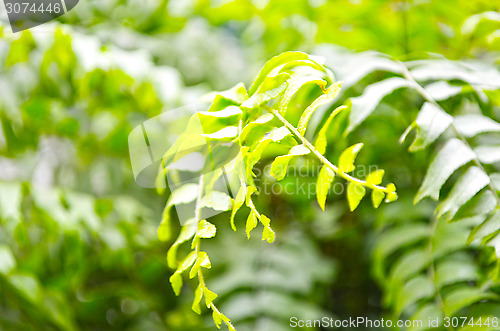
176	281
198	295
355	192
250	190
272	64
296	83
206	229
280	164
165	228
375	177
209	296
217	200
188	230
377	197
268	234
346	159
238	202
330	95
201	261
265	220
251	223
325	179
391	195
227	320
321	141
217	318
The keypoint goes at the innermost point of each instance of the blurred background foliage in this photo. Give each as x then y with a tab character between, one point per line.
78	246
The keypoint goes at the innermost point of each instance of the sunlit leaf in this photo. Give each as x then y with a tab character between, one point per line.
451	157
347	158
280	164
355	193
325	179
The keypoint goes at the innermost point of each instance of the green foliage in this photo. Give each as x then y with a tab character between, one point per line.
437	266
81	252
248	123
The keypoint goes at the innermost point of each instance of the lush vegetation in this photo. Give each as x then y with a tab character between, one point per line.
83	246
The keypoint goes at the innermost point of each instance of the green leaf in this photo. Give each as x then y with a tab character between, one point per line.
330	95
268	234
229	113
442	90
466	187
471	125
238	202
10	200
417	288
226	133
395	239
355	192
187	262
183	195
277	135
251	223
202	260
365	104
272	64
375	177
486	229
464	297
176	281
481	204
28	286
280	164
377	198
453	271
431	122
198	295
488	154
451	157
165	228
347	158
250	191
206	229
296	83
325	179
217	201
188	230
391	195
272	88
408	265
321	141
471	23
495	241
209	296
216	316
234	96
256	130
7	258
429	312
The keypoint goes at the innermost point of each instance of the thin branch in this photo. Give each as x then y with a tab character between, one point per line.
323	159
